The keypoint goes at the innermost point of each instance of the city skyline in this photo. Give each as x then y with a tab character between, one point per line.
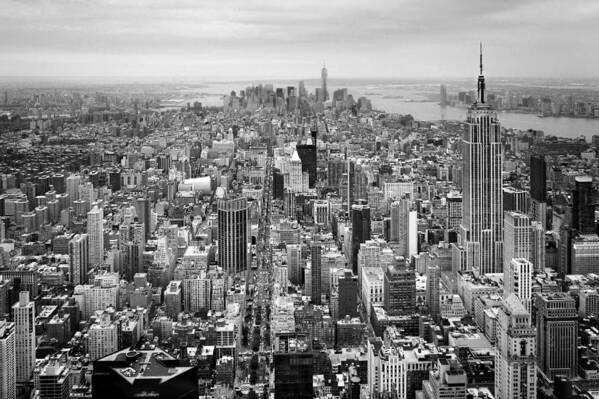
257	39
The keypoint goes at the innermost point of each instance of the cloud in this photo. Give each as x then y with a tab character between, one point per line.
280	38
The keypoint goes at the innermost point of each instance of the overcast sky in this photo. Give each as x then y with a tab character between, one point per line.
256	39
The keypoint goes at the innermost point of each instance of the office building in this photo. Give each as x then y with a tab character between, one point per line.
24	318
433	279
79	258
400	291
516	238
517	280
8	372
95	233
360	216
348	295
583	205
233	235
53	379
316	272
516	369
482	222
538	189
293	375
557	335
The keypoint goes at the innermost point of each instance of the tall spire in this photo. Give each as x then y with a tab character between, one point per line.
481	79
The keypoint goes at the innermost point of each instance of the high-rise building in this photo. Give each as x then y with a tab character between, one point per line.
515	200
583	205
316	275
53	379
102	337
516	370
404	226
293	375
448	380
517	280
296	175
348	295
400	291
443	96
454	210
482	221
8	375
516	237
433	277
360	216
324	74
233	235
538	178
307	154
294	263
557	335
537	246
142	210
79	258
24	317
95	233
173	299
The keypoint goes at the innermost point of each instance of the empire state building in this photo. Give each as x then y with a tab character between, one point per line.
481	231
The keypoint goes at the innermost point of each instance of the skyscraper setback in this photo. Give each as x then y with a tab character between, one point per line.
482	221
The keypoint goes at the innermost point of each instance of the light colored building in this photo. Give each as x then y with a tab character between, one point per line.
482	213
373	283
518	281
102	338
95	232
24	317
8	372
516	238
516	369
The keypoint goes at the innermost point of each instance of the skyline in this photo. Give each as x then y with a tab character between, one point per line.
258	40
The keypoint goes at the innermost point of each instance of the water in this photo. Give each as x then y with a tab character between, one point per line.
413	98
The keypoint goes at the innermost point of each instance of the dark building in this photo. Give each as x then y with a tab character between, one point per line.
583	205
360	216
278	184
336	168
151	373
142	209
399	291
515	200
307	153
538	178
233	234
348	295
293	375
316	272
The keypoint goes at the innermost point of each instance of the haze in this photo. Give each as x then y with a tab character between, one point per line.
252	39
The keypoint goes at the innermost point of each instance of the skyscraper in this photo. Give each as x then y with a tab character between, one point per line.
433	276
399	291
142	209
316	275
516	238
8	376
79	258
557	334
95	233
583	205
348	295
517	280
233	234
482	221
538	178
516	371
24	317
360	216
324	74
